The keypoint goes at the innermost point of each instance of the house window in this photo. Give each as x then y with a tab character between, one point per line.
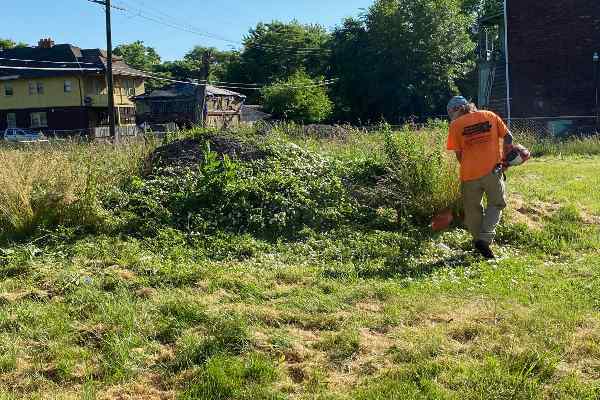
127	115
99	86
39	120
36	88
11	120
68	86
8	89
130	87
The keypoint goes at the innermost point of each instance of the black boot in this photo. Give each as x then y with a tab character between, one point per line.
484	249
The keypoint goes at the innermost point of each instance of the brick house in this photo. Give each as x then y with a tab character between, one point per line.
539	61
65	90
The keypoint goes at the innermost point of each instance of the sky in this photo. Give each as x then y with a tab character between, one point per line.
82	23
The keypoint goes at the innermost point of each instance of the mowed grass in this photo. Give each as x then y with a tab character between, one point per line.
561	180
337	315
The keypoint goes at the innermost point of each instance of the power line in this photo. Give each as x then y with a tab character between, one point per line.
228	86
49	69
149	75
293	34
103	3
46	62
169	21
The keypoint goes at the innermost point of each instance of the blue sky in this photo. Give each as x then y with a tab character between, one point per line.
82	23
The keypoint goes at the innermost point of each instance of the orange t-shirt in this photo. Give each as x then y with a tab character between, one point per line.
477	135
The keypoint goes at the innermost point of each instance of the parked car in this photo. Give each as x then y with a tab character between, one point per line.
23	135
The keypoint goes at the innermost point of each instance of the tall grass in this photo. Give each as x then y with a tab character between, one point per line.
553	146
42	186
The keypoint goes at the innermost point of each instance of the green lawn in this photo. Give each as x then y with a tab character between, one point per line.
338	315
572	180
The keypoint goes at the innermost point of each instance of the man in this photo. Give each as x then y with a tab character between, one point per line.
475	137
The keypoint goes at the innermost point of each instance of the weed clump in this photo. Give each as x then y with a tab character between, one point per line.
272	197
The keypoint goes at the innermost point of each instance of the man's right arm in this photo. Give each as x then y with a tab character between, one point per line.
454	144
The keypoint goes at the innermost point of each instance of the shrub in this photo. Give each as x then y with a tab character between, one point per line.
276	196
417	179
299	98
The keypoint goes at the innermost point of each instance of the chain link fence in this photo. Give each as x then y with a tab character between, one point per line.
556	127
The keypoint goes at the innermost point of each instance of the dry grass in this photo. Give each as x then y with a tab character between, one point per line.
55	183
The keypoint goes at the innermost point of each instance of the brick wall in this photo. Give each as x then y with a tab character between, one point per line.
551	44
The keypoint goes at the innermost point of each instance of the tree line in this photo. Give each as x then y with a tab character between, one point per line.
396	60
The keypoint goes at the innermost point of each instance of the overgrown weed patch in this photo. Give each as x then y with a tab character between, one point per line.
367	305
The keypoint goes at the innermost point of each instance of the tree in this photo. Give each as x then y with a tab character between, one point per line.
143	58
6	44
482	7
212	62
298	98
402	58
277	50
138	56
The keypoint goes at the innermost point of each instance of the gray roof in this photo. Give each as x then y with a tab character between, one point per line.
217	91
69	54
179	90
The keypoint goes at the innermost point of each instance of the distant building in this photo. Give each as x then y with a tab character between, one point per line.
68	91
539	62
190	104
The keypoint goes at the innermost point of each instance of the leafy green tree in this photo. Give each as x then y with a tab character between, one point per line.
277	50
218	62
298	98
139	56
143	58
482	7
6	44
402	58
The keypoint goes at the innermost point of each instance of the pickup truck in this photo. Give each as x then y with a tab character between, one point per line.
23	135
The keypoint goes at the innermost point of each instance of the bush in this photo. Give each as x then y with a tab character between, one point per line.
417	179
276	196
299	98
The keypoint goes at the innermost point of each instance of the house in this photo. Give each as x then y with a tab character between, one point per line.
539	63
190	104
62	88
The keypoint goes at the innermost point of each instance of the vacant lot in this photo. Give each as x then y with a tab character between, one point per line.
356	311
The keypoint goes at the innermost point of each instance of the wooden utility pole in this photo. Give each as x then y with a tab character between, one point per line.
109	68
109	74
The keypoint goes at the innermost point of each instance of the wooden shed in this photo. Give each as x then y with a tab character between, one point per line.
189	104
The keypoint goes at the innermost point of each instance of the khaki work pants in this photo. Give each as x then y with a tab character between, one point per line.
482	224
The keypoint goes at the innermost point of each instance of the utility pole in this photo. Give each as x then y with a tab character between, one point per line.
109	69
596	60
109	75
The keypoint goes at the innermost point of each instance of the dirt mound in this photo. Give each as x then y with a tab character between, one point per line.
190	152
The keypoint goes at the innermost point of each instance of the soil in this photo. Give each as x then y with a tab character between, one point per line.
190	152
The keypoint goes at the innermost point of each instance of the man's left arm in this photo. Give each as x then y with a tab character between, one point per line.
508	142
505	134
